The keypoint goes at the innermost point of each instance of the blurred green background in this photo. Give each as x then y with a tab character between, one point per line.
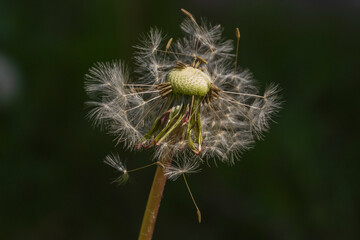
302	182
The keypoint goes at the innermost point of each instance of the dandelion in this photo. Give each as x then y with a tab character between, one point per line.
188	100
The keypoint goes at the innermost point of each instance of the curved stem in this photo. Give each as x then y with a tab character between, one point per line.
153	203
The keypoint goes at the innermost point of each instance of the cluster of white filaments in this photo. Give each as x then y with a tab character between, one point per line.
178	168
113	160
189	98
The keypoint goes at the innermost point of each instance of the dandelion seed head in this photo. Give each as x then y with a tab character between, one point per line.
189	81
186	98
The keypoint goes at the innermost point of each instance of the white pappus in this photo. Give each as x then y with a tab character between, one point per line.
187	98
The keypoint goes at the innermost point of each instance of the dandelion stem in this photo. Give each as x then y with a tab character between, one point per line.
153	203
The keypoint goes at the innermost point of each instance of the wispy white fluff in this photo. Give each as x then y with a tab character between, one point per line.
177	168
127	107
113	160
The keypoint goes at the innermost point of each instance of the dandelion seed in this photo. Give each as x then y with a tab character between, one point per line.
178	168
113	160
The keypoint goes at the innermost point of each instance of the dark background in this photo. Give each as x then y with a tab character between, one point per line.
302	182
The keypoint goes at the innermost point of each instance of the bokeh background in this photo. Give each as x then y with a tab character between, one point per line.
302	182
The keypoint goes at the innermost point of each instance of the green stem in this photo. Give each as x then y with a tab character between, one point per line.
153	203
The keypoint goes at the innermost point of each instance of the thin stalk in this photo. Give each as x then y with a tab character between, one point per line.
153	203
193	199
